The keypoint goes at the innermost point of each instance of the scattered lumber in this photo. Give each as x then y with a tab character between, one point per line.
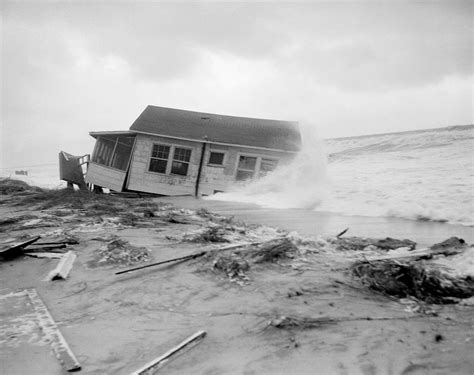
158	362
44	255
63	268
197	255
187	257
16	249
51	331
38	247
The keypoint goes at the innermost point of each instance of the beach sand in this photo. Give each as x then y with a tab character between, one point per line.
116	323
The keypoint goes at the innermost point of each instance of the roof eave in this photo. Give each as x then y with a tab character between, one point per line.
216	143
119	132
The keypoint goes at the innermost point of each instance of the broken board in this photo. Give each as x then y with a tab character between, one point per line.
51	331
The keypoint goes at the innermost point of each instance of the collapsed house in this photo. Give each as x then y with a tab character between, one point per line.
176	152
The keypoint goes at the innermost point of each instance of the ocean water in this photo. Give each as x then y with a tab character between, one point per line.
421	175
42	175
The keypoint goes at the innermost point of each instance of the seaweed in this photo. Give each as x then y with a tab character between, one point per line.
413	279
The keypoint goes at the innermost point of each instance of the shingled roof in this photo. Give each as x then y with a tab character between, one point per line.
169	122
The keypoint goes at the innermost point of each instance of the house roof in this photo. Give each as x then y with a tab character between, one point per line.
252	132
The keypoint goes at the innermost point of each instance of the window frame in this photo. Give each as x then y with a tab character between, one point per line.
258	164
169	161
237	169
112	159
151	157
224	158
180	161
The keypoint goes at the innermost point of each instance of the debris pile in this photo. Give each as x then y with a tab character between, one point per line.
210	234
413	279
235	261
233	265
121	252
283	249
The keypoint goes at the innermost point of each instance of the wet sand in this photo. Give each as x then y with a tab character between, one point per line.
315	223
114	324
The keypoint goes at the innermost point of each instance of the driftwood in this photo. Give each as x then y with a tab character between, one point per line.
188	257
157	362
51	330
296	322
343	232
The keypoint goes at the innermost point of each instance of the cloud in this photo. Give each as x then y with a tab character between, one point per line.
348	67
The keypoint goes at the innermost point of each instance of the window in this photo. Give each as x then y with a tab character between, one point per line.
113	151
267	166
181	159
246	168
216	158
159	158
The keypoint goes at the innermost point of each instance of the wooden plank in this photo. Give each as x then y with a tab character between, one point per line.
51	331
155	363
44	255
15	249
63	268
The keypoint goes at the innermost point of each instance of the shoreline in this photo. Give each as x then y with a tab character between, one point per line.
316	223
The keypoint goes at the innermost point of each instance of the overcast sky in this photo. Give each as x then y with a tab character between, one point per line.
346	68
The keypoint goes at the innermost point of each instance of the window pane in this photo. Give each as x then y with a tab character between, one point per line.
160	151
182	154
247	162
123	150
103	154
216	158
243	175
180	168
158	165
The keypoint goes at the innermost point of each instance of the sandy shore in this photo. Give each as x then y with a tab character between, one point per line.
315	223
116	323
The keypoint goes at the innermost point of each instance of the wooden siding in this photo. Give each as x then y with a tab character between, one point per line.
141	179
213	178
106	177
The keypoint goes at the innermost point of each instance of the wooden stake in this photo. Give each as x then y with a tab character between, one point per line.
154	364
52	332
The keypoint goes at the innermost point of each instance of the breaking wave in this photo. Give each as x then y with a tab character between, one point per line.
422	175
300	184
